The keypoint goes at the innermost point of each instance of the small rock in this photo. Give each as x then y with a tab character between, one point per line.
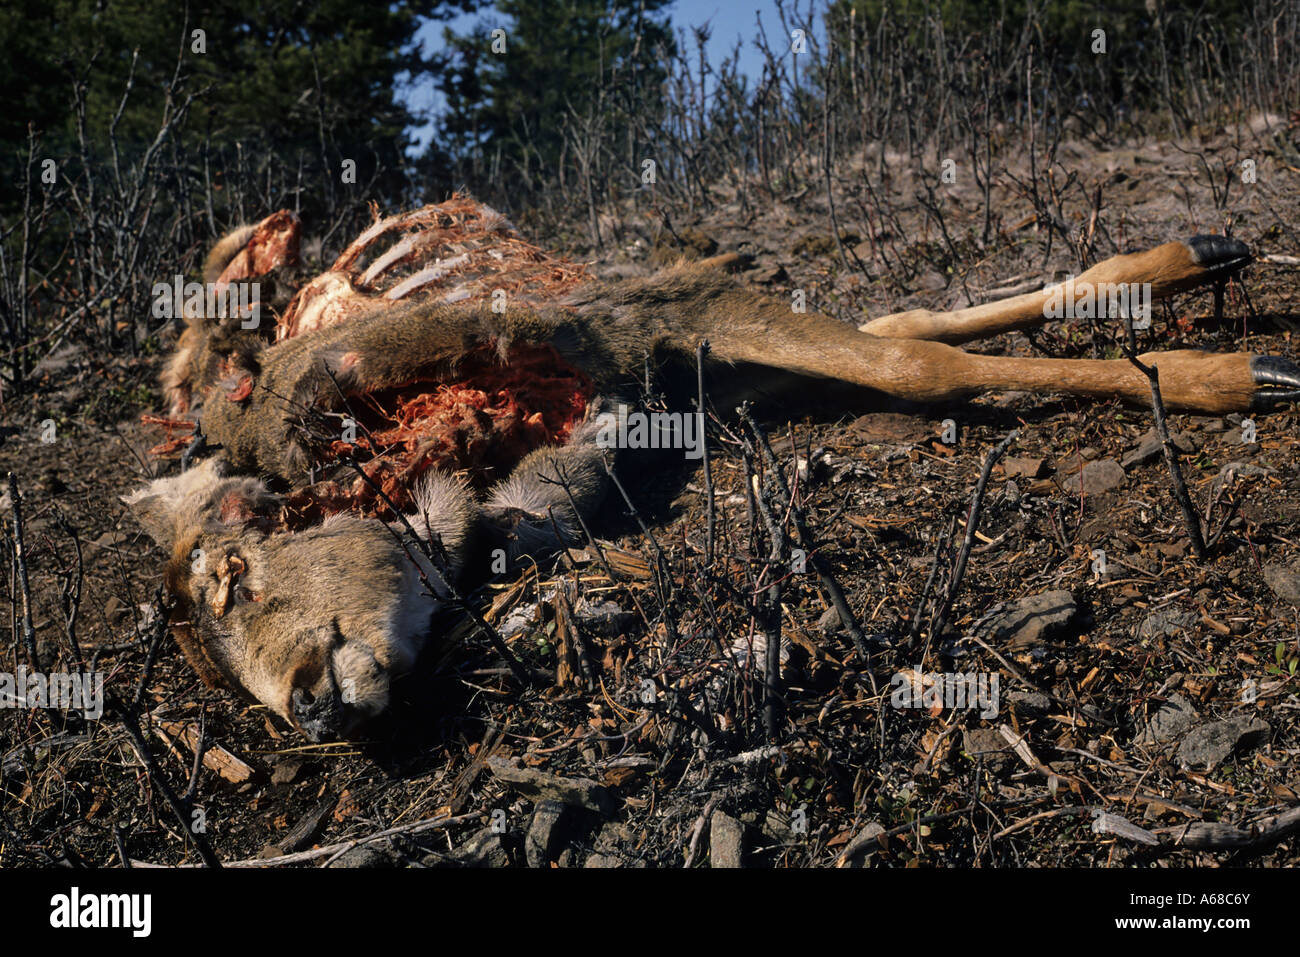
579	792
110	541
614	846
1108	824
1285	582
776	828
932	281
484	849
830	620
519	620
614	836
1209	744
58	361
1150	447
726	841
1232	471
366	856
1033	620
545	836
1174	717
1175	550
114	611
989	743
769	275
864	844
1166	623
1094	479
1033	702
1024	467
744	646
286	770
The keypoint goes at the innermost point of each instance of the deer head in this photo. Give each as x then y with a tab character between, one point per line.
313	624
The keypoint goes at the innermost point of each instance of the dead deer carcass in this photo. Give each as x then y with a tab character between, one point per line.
446	370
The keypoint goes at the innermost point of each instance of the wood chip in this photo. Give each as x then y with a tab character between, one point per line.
216	758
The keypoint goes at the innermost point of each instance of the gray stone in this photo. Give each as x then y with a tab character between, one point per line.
1166	623
1032	620
1171	719
545	837
286	770
538	785
1095	478
1285	582
726	841
115	611
110	540
485	848
1150	447
830	620
890	427
1034	702
865	843
1023	467
1209	744
1232	471
603	617
988	743
776	828
368	855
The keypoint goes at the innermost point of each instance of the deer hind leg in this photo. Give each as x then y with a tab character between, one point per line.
744	327
1171	268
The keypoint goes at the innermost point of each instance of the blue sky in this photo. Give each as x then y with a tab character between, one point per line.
729	21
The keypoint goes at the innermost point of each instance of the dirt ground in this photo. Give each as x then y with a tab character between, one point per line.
1158	695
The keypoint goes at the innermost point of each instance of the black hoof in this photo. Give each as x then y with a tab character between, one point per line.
1222	256
1277	380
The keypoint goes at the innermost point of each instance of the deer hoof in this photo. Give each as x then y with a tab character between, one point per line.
1220	256
1277	380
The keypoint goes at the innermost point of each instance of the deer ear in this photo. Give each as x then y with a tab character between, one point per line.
156	513
165	505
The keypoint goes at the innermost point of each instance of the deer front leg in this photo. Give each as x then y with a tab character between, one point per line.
1171	268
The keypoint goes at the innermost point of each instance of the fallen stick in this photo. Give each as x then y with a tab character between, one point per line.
20	559
1213	836
301	857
